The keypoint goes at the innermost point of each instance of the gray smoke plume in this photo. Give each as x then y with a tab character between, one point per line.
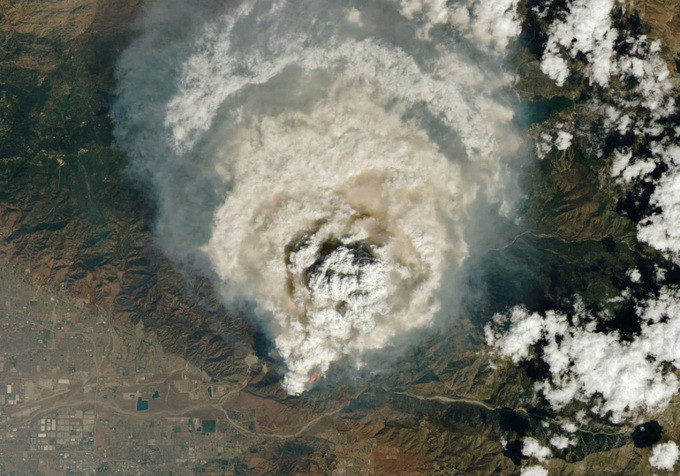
320	158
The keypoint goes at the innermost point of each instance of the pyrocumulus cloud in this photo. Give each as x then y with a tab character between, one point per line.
318	158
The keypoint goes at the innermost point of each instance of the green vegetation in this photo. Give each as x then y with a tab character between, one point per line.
208	426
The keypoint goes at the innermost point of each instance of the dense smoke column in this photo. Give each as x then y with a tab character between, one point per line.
316	159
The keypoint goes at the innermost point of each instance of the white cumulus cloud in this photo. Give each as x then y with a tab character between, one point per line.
664	456
532	448
534	470
618	379
586	29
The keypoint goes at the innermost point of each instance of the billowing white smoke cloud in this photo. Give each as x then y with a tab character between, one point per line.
322	157
489	23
